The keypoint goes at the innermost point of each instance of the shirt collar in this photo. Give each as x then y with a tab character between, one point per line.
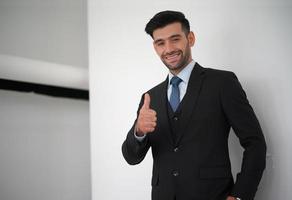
184	74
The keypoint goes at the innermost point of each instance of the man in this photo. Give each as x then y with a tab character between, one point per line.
186	121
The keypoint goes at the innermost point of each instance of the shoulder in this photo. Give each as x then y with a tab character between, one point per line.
217	75
156	93
159	87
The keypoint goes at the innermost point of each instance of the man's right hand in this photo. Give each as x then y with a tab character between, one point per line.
146	121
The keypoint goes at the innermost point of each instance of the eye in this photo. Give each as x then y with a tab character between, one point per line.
175	39
160	43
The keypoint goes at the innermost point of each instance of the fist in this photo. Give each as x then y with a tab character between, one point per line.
146	121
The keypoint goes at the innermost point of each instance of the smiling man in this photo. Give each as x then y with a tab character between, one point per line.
186	121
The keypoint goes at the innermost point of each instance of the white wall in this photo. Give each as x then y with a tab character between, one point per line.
251	38
44	147
53	31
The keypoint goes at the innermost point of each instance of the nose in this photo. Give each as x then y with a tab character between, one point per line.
169	48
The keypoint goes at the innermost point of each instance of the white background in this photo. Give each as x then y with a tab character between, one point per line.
251	38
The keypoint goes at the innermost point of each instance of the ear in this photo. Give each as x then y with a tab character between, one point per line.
191	38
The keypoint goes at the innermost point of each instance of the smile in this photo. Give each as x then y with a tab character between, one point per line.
172	56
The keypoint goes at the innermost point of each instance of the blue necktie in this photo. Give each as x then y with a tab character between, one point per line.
174	96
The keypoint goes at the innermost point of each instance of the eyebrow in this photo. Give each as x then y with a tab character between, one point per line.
171	37
174	36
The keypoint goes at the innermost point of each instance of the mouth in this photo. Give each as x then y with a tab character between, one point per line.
172	57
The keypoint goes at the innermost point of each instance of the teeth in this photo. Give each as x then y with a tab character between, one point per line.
172	56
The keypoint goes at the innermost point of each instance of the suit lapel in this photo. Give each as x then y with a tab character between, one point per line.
190	98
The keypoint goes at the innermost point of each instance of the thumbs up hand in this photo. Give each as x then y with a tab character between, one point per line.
146	121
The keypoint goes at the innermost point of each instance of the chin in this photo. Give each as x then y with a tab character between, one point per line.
174	68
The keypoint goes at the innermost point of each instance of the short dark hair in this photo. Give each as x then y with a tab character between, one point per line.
165	18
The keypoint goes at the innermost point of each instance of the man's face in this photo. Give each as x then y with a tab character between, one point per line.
173	46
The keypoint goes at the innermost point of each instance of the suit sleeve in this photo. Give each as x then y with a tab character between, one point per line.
134	151
247	128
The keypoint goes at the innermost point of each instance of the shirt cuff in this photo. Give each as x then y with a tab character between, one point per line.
139	138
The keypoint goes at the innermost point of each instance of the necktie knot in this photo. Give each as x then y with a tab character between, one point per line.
175	81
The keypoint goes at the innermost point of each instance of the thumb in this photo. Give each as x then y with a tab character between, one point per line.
146	104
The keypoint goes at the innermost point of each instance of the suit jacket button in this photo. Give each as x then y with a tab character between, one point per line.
175	173
175	149
175	118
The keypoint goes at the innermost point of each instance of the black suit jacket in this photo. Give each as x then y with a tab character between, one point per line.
196	166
